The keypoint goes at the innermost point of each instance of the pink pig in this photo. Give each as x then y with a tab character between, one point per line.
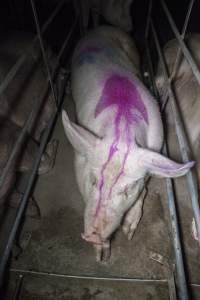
118	137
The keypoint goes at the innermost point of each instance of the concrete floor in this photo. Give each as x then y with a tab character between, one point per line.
56	245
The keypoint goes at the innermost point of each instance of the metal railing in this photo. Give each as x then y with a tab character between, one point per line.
181	281
54	76
181	277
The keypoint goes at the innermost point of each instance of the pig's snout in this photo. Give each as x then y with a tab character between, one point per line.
93	238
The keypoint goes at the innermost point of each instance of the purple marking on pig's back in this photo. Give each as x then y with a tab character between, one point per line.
121	93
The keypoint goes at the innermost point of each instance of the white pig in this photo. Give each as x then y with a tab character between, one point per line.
186	88
117	138
116	13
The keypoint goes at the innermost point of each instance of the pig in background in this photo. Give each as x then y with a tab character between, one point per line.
187	90
114	12
117	138
16	103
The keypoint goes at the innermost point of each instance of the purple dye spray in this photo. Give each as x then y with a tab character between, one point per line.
120	92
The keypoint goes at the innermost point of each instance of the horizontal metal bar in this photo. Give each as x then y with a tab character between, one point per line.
43	50
13	71
183	46
70	276
25	197
181	277
182	139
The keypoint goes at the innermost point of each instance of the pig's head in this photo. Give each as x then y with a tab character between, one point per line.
114	169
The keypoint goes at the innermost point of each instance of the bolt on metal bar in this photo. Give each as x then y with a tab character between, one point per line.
113	278
181	278
31	119
43	50
13	71
183	46
179	52
25	197
182	139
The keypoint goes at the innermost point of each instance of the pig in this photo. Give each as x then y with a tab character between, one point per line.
187	89
117	138
117	13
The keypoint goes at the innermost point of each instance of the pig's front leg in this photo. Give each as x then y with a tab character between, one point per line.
102	251
133	216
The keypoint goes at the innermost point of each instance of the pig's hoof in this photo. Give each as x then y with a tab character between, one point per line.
103	252
48	158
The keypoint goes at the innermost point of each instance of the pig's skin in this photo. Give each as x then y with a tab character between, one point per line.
120	121
187	89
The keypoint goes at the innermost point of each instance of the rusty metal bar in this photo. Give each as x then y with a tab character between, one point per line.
13	71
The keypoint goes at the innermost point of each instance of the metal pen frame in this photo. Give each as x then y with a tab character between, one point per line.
182	286
62	77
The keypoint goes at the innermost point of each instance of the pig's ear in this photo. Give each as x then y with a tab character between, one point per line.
81	139
159	165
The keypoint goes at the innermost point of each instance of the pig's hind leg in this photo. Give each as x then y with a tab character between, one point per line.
133	216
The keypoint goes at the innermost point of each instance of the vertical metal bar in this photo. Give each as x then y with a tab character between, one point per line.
184	49
11	74
148	20
182	139
43	50
25	197
181	278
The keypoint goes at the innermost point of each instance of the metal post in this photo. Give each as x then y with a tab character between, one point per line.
181	278
182	139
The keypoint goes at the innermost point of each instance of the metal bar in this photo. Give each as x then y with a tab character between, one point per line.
43	50
182	139
184	48
18	287
25	197
124	279
31	119
67	39
181	278
13	71
179	52
148	20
